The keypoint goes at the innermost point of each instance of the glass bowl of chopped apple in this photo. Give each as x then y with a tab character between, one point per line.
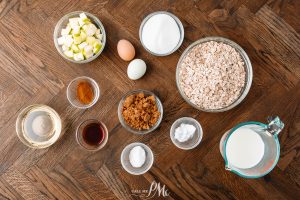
79	37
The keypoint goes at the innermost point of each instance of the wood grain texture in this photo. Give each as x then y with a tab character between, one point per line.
31	71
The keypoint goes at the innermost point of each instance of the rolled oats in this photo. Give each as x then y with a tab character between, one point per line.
212	75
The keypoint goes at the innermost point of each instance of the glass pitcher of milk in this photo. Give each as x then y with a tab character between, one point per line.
251	149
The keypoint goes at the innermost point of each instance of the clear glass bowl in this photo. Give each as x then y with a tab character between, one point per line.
126	162
181	29
62	23
248	69
72	92
132	130
23	130
194	141
82	143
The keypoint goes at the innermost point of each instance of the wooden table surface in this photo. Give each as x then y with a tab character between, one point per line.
33	72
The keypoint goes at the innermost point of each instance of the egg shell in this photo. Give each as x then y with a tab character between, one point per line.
125	50
136	69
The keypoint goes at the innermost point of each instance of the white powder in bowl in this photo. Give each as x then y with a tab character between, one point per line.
184	132
161	34
137	156
42	125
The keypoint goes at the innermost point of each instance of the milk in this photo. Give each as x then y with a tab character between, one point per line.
245	148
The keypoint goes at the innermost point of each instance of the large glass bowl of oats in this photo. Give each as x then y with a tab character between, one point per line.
214	74
140	111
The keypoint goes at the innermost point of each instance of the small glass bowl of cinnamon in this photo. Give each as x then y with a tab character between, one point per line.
83	92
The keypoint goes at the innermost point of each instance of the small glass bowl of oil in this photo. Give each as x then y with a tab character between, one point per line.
38	126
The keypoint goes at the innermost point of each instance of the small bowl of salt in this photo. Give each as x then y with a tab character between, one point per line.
137	158
186	133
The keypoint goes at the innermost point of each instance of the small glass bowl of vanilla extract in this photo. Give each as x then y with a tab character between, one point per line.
92	135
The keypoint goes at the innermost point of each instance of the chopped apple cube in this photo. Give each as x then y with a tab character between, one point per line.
88	51
77	39
69	54
82	45
78	57
66	31
91	29
65	48
74	21
83	16
75	48
99	36
83	35
76	30
97	46
61	40
98	31
90	40
68	40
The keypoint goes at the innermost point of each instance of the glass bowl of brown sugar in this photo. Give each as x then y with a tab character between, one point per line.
140	111
83	92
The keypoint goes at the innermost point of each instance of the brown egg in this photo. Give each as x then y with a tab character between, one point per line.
126	50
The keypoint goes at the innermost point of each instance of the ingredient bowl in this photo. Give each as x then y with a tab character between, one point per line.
25	129
136	131
126	162
62	23
80	135
247	67
72	92
194	141
178	22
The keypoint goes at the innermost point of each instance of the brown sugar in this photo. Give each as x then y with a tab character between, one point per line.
140	112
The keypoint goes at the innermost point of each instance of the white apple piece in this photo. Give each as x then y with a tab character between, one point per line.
78	56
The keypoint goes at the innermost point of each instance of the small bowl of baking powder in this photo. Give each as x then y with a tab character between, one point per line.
186	133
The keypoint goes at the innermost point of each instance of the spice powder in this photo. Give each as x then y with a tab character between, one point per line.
85	92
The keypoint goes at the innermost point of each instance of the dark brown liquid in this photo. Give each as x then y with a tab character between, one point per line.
93	134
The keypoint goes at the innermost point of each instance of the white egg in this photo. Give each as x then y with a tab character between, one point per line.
136	69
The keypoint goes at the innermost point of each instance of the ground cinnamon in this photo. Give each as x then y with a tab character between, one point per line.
85	92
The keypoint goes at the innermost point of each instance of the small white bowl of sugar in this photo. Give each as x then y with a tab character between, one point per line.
186	133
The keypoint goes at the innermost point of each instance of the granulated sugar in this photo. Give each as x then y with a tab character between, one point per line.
161	34
212	75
